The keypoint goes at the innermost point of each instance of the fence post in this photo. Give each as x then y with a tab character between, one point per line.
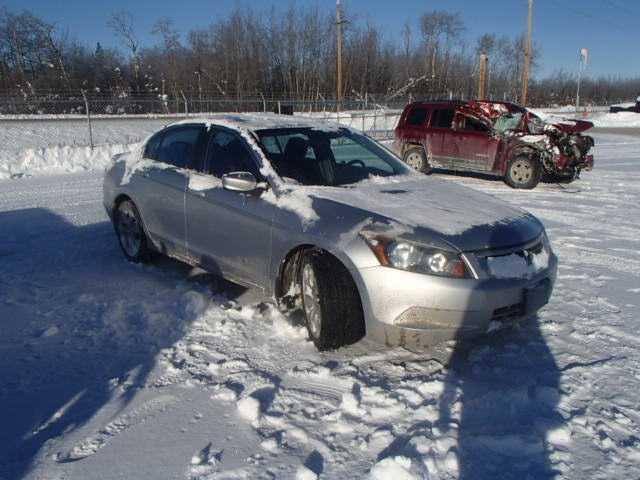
186	105
264	103
86	108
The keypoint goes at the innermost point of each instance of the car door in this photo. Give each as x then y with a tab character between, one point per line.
164	183
228	232
475	146
442	146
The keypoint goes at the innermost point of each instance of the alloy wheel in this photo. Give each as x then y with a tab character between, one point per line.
415	160
311	300
129	229
521	171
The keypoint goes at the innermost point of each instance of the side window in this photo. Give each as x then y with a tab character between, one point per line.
442	118
179	146
271	145
417	116
151	148
226	153
472	125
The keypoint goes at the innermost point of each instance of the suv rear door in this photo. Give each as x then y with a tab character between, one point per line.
441	145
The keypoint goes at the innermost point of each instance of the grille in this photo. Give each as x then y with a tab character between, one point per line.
523	261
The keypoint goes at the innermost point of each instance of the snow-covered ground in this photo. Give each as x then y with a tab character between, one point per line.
113	370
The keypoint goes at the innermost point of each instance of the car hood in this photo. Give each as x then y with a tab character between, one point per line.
573	126
429	208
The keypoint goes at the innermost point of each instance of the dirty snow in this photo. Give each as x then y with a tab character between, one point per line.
113	370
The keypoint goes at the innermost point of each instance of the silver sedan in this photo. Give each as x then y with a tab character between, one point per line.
323	219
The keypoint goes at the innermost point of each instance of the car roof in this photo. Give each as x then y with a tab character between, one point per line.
260	121
458	103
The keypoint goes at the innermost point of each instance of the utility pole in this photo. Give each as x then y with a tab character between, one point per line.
339	59
527	57
482	77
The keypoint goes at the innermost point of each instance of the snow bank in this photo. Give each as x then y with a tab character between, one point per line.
600	118
57	159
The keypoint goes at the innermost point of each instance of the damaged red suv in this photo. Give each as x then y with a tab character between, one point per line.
495	138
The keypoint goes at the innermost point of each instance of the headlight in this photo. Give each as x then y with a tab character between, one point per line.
412	257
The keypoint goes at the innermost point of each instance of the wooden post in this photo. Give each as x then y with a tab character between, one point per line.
482	77
527	57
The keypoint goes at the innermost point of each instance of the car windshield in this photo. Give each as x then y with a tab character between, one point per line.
310	156
508	121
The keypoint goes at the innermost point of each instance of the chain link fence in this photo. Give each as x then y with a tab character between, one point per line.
377	119
375	115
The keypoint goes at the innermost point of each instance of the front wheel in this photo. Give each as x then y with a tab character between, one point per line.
130	231
416	158
330	300
523	172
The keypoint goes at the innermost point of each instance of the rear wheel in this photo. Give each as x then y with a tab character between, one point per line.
330	301
523	172
130	231
416	158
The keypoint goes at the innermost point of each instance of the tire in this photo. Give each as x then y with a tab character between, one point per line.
523	172
330	302
130	231
416	158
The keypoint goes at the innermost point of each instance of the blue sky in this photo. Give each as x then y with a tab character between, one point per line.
609	28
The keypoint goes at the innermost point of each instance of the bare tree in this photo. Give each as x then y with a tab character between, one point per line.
121	23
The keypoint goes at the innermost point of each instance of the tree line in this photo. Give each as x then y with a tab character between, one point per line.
282	53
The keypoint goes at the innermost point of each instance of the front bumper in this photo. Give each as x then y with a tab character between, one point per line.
567	166
415	310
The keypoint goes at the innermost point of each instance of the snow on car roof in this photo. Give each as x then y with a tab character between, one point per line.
261	121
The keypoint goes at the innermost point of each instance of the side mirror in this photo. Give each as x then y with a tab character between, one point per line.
239	182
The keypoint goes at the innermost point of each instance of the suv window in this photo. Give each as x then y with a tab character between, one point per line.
151	148
417	116
473	125
179	146
227	153
442	118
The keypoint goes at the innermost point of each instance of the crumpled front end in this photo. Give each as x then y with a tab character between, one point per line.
570	153
563	153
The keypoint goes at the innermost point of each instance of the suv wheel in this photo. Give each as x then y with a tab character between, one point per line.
330	302
416	158
130	231
523	172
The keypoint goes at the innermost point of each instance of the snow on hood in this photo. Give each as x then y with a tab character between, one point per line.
438	205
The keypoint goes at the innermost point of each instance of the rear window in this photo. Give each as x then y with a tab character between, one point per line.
442	118
417	116
179	146
151	149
